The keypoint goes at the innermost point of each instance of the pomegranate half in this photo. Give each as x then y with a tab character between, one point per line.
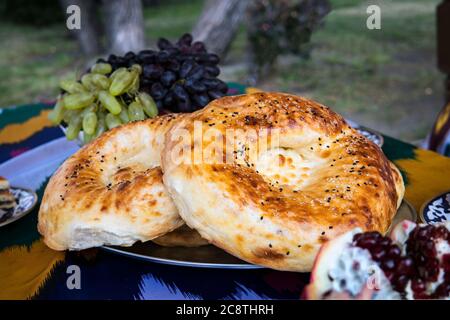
413	262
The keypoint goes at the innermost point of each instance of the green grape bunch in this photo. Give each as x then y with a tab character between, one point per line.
101	100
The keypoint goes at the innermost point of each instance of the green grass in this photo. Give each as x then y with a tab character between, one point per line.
386	79
379	77
32	61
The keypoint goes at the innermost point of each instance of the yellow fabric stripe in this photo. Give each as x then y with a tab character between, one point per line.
428	176
17	132
252	90
24	270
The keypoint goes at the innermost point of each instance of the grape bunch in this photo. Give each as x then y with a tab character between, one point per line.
180	77
102	99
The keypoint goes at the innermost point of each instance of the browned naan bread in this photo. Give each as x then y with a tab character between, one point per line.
110	191
276	205
181	237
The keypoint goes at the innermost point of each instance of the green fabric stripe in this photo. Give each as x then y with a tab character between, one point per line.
396	149
237	86
20	114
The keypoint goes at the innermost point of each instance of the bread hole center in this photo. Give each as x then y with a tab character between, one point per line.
285	167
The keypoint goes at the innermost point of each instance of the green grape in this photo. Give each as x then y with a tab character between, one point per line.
135	111
101	68
112	121
73	128
89	123
134	85
71	86
117	72
121	82
137	68
88	83
101	81
101	124
78	100
109	102
90	108
70	114
57	114
124	115
87	138
148	104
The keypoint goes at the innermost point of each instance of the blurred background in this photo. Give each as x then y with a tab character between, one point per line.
385	79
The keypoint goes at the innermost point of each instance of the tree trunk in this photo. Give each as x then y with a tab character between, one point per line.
219	23
88	35
124	25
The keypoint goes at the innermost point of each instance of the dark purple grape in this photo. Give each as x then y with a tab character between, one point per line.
101	60
145	82
168	78
159	104
211	83
157	91
194	86
152	71
201	100
185	39
173	51
173	65
196	73
179	93
185	106
122	62
198	47
184	57
209	58
212	71
147	56
112	58
186	67
222	87
215	94
129	55
184	49
169	100
163	56
164	44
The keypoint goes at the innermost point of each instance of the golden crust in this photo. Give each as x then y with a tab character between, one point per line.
110	191
181	237
330	179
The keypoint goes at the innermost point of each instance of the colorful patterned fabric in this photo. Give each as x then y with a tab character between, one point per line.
30	270
439	138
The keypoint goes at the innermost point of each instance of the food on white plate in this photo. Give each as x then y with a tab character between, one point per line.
412	263
180	77
7	199
181	237
110	192
276	205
